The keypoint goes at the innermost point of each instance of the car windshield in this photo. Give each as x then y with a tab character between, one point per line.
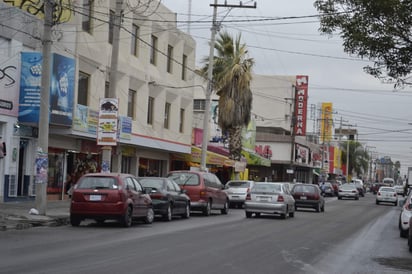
302	188
184	179
266	188
152	182
238	184
97	183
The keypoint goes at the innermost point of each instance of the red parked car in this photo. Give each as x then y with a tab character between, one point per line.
204	189
104	196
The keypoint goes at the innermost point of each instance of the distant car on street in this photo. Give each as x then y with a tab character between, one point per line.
237	191
387	194
399	190
348	191
270	198
308	196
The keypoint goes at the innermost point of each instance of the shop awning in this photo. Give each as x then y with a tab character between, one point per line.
211	157
255	159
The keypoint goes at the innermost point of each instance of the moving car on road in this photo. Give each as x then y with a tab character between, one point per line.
237	191
348	191
399	190
269	198
386	194
167	197
308	196
104	196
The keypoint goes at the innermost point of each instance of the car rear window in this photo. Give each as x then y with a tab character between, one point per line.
238	184
387	189
266	188
184	179
97	183
308	189
152	183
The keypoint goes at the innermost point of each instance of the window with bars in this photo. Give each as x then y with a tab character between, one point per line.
199	104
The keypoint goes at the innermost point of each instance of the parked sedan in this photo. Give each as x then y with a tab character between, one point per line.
269	198
104	196
348	191
167	197
308	196
405	215
386	194
237	190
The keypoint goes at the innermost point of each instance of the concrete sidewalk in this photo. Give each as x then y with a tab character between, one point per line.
16	215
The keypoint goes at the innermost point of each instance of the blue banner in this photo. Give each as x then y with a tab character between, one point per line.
30	82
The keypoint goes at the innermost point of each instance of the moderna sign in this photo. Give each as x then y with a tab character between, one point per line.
301	102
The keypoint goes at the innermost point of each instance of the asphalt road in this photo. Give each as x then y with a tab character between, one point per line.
349	237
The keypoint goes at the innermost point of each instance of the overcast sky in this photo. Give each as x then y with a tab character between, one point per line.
282	46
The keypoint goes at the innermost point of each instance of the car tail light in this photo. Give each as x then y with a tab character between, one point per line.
248	198
379	193
354	191
157	196
280	198
394	194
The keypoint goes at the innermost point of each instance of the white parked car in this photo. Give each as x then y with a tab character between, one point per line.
386	194
406	214
237	190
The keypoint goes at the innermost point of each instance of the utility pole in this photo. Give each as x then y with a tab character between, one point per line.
214	30
43	140
107	150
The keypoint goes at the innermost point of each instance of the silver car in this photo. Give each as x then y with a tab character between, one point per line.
348	191
237	190
386	194
270	198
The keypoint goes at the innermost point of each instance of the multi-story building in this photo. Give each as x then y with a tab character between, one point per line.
155	115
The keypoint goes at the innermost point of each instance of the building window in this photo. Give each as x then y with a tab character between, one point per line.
83	88
111	25
199	104
87	15
135	41
182	120
153	50
167	115
169	58
150	111
184	67
131	103
106	89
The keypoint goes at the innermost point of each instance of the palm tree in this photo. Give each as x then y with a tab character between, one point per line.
358	157
232	73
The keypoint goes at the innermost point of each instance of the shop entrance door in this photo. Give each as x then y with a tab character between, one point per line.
23	180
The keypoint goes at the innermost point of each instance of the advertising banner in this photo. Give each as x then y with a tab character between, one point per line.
9	86
301	102
107	127
30	82
125	127
326	123
62	90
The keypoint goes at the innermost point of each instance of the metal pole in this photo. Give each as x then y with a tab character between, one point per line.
43	140
209	90
347	160
107	150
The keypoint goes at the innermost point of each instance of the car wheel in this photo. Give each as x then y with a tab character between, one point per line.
357	198
149	216
127	219
318	207
291	214
168	216
410	241
74	220
248	214
296	208
402	232
225	209
322	209
257	215
186	215
208	209
377	202
339	198
283	215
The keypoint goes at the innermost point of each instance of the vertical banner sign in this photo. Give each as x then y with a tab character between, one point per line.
326	123
30	82
107	127
301	102
41	167
9	86
62	90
